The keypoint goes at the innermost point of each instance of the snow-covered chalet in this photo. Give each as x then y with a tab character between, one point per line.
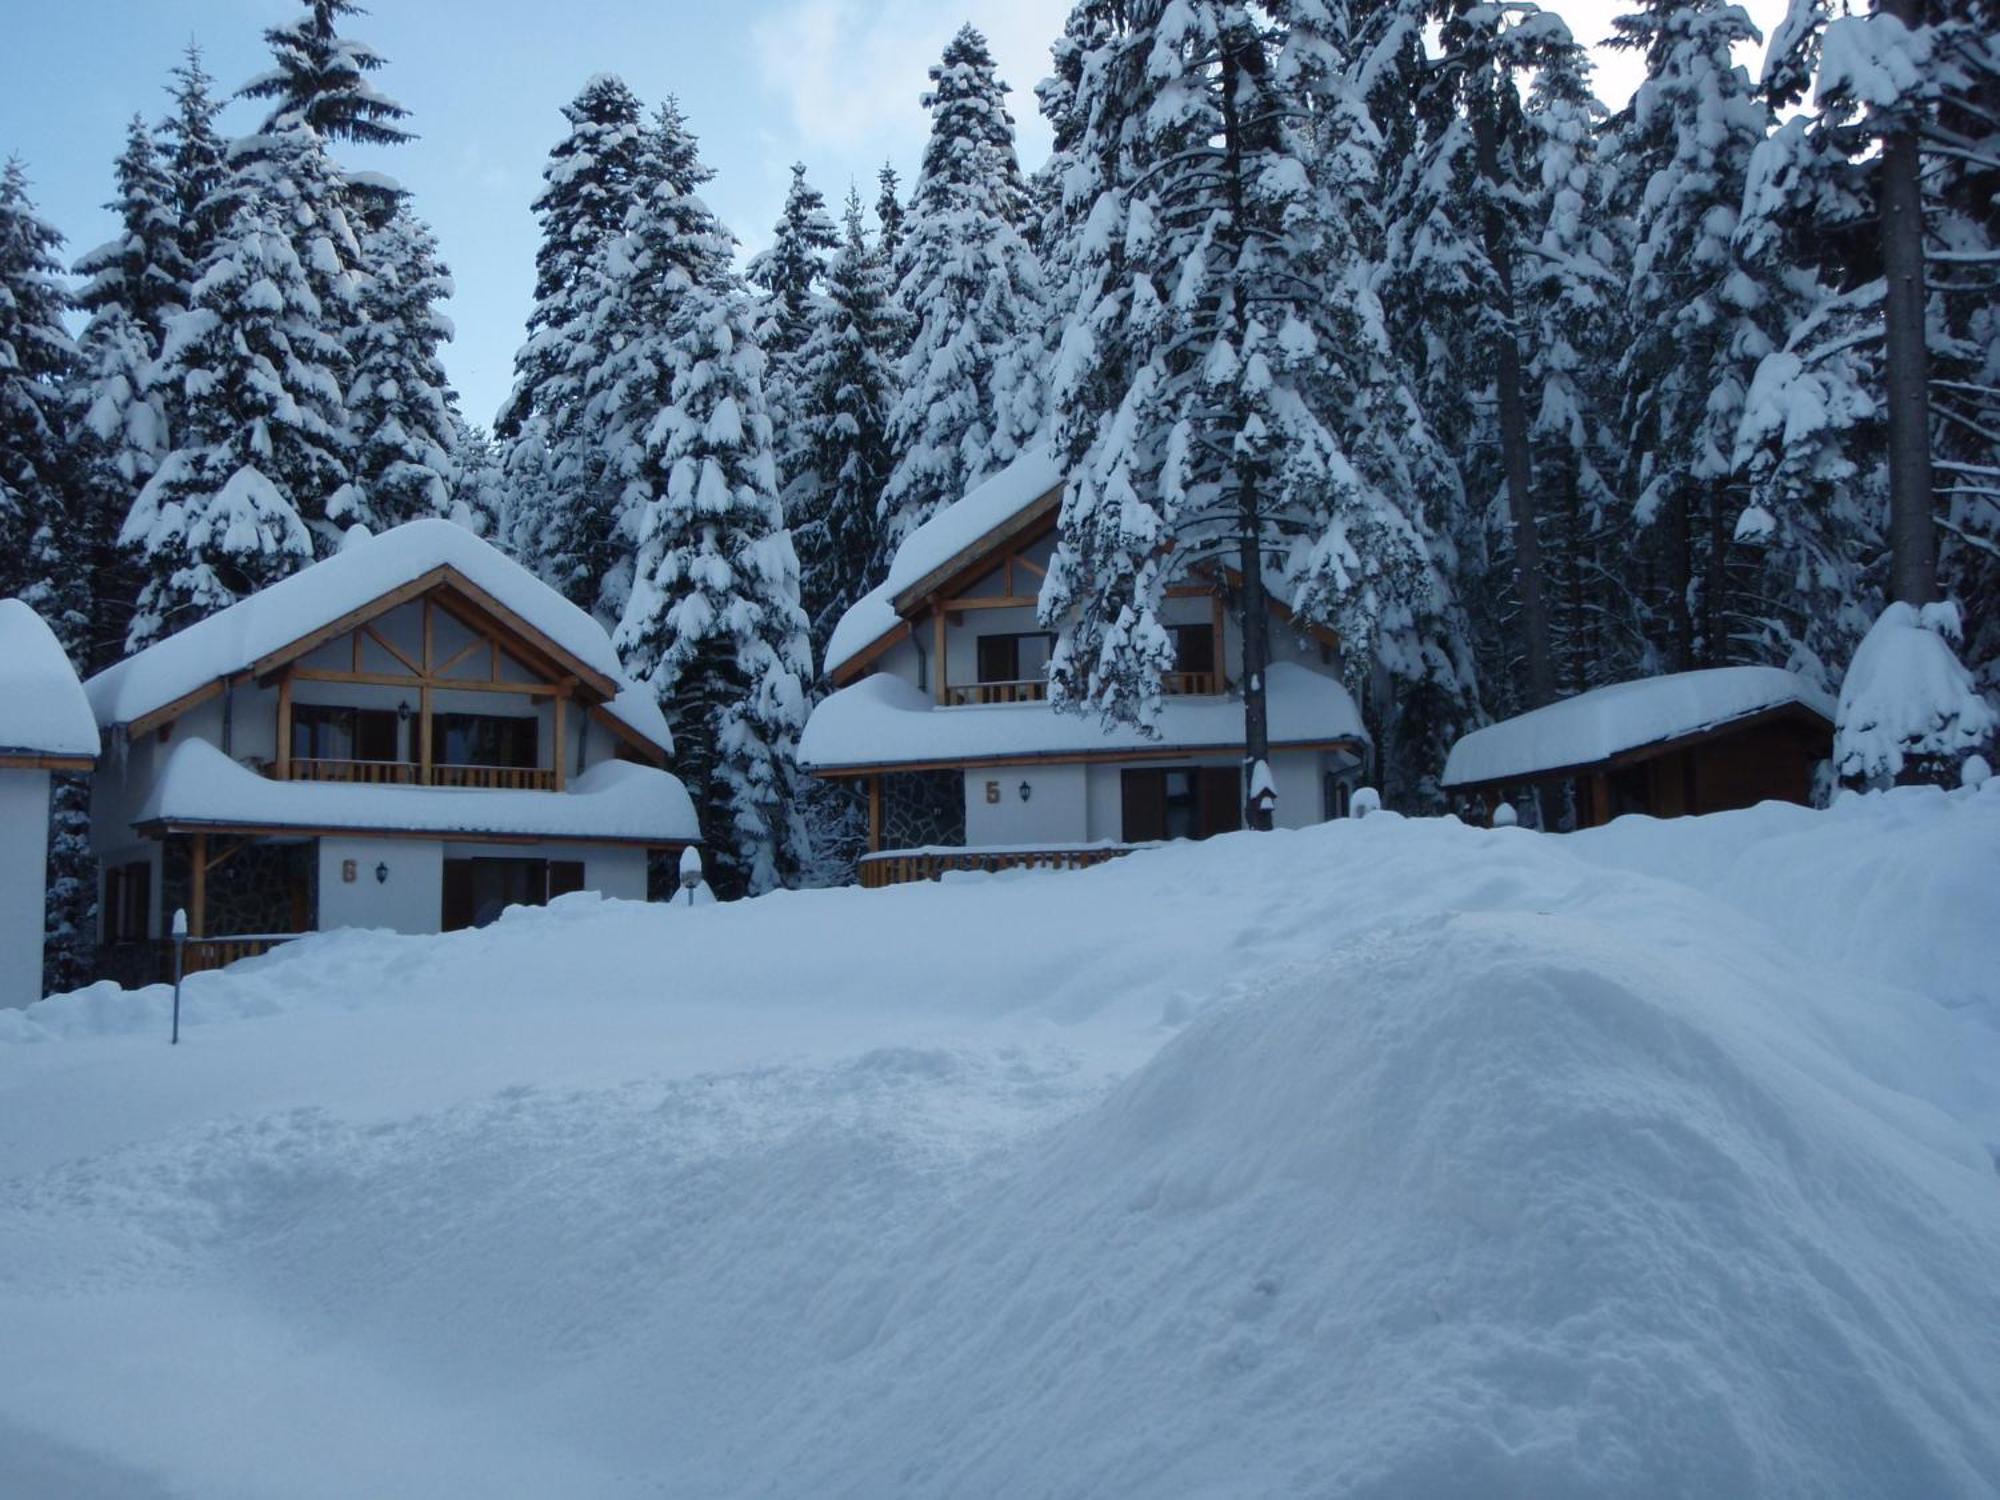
413	734
942	709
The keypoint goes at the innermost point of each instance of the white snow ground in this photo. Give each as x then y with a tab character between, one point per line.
1389	1158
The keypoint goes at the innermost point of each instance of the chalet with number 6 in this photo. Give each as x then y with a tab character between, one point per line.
412	734
942	709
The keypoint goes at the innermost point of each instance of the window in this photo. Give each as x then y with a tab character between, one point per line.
324	731
1019	656
1336	796
476	891
128	903
1180	802
484	740
1194	648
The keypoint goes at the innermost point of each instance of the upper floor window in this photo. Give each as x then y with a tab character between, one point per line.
484	740
1194	648
325	731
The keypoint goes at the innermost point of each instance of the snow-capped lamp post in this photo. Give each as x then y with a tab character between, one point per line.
690	871
1365	801
1263	795
180	931
1504	816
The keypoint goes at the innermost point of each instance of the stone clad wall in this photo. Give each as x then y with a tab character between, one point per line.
922	808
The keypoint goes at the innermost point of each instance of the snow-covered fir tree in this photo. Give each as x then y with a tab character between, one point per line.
261	377
847	383
400	414
481	498
790	275
593	178
888	215
194	156
712	624
972	287
1693	319
36	356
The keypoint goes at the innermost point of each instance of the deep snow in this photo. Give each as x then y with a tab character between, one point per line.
1386	1158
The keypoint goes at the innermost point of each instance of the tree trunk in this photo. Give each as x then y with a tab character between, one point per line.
1912	523
1676	532
1256	627
1538	658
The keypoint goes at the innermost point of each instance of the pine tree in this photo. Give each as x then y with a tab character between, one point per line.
261	378
36	355
969	280
1693	319
712	624
848	384
194	157
321	82
400	404
481	498
594	176
888	215
790	275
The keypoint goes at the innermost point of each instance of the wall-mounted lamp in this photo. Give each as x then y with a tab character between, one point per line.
1026	791
403	710
381	874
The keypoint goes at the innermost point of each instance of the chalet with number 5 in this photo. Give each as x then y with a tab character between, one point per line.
942	709
412	734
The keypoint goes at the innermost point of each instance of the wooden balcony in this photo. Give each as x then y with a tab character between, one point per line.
410	773
901	866
1036	689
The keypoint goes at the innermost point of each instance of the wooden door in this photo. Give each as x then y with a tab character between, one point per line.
1219	801
1143	794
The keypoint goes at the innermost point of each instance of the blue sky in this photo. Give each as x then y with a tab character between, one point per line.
832	83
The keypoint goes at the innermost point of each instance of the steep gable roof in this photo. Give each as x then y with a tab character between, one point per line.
370	575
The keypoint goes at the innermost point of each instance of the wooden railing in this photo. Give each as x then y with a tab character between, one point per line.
1036	689
204	954
902	866
409	773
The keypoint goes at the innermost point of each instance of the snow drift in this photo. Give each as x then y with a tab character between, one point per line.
1387	1158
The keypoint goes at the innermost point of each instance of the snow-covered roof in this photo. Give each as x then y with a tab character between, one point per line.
1607	721
884	721
981	510
362	572
43	711
613	801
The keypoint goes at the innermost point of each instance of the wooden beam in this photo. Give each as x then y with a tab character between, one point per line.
1078	758
35	761
448	836
333	629
455	684
285	725
387	645
1219	629
1026	525
937	649
874	814
462	653
858	664
166	713
424	706
563	690
198	887
995	601
513	625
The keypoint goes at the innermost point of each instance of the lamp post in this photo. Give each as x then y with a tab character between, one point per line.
180	931
690	871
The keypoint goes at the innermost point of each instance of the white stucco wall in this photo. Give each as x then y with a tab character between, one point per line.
411	900
1056	811
24	852
1301	800
616	872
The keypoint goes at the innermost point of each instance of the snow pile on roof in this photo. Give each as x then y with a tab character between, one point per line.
357	575
1906	694
884	720
971	517
1384	1158
42	707
612	800
1605	721
866	621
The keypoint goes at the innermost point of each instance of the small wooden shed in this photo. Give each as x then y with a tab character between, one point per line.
1688	742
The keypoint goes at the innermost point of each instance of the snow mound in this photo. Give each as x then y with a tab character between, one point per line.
1391	1157
1598	1223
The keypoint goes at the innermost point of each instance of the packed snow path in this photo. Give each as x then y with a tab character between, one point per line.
1388	1158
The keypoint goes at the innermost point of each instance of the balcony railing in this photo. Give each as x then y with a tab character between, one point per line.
902	866
409	773
1036	689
